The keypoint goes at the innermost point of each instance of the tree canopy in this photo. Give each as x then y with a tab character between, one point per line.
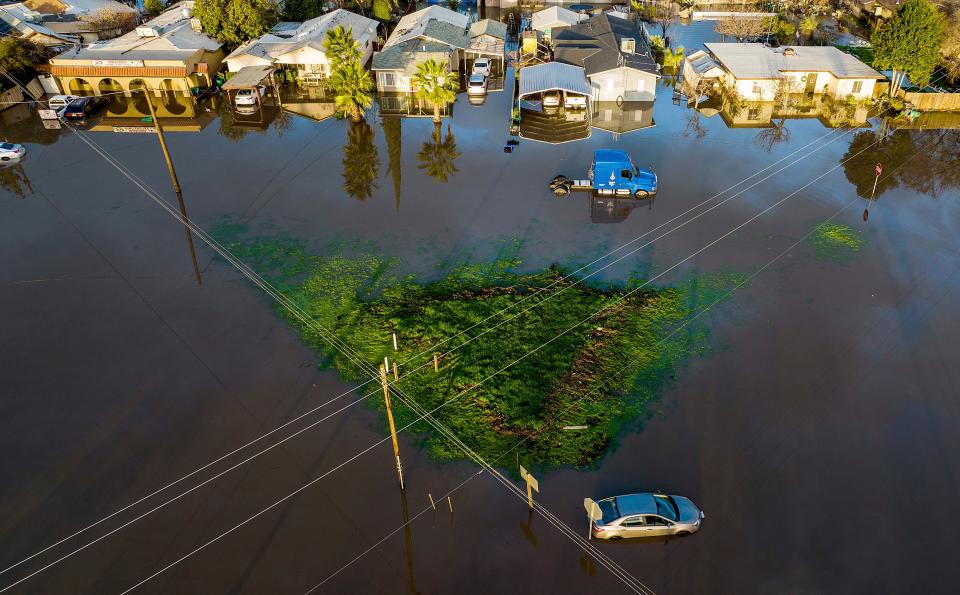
18	55
436	85
302	10
909	43
234	21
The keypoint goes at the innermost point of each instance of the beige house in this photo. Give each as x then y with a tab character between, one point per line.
759	73
301	48
169	54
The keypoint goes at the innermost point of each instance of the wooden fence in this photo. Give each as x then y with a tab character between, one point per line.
932	102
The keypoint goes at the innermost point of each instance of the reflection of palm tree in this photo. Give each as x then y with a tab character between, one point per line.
392	132
437	157
777	133
361	164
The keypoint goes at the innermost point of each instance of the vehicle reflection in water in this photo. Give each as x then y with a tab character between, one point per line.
438	156
557	125
14	179
614	209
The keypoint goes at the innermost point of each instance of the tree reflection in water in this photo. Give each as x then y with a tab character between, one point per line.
922	160
437	157
776	134
393	134
361	163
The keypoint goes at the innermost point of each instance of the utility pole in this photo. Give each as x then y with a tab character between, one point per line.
393	428
176	184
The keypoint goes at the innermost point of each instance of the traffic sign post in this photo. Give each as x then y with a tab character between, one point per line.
593	514
532	485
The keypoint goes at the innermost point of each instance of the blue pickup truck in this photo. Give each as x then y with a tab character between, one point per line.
612	172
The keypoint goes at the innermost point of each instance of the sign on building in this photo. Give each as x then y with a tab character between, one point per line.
119	63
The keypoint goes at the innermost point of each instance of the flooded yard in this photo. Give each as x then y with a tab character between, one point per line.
809	412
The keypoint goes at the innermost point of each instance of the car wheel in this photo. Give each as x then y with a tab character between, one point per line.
682	533
615	538
4	159
561	179
641	194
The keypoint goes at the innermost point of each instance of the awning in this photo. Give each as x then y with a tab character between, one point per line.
248	77
553	76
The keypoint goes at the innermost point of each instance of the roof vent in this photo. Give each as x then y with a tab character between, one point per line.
628	45
147	31
788	52
195	25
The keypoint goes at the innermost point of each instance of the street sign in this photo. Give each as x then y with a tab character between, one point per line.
47	114
879	169
135	129
531	480
593	509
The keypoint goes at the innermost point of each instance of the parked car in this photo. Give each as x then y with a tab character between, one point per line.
11	151
84	107
481	66
646	515
575	102
477	85
250	96
551	99
58	102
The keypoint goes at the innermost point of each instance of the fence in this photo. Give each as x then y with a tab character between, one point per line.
932	102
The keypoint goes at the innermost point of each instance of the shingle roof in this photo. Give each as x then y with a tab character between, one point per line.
595	45
414	24
756	61
489	27
410	52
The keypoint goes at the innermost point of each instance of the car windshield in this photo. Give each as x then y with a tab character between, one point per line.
667	508
245	92
7	146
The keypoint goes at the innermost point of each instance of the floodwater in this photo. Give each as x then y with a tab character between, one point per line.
820	436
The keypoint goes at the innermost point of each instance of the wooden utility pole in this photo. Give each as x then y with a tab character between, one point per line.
176	184
878	169
532	485
393	428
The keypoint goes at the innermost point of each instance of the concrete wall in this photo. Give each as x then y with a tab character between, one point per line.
625	84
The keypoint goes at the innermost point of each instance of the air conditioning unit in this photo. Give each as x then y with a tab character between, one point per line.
195	25
147	31
628	45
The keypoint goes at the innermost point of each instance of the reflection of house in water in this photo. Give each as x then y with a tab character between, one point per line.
614	209
831	112
176	112
407	104
621	119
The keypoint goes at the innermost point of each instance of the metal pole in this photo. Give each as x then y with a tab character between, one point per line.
393	428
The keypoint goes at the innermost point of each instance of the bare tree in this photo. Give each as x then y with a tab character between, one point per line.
107	22
694	125
742	27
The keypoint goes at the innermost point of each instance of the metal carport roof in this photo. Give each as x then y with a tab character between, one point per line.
248	77
553	76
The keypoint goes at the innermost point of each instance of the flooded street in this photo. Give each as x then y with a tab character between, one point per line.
819	434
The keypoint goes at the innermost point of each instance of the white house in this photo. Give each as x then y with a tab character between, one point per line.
758	72
554	19
615	55
53	22
301	48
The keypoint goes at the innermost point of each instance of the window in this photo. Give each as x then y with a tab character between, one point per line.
753	113
641	85
655	521
633	521
757	88
626	173
857	86
388	79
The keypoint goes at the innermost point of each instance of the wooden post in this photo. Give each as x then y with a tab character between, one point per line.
436	362
396	373
432	503
394	341
450	503
393	428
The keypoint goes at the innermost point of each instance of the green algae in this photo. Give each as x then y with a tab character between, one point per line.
518	366
836	242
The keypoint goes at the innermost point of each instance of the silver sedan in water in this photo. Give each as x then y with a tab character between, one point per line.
646	515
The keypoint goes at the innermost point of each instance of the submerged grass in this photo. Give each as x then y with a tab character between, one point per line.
835	241
601	374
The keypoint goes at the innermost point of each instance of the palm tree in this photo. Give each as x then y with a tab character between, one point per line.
437	158
352	86
435	84
361	164
341	47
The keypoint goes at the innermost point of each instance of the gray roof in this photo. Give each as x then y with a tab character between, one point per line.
408	53
553	75
248	77
756	61
595	45
489	27
447	33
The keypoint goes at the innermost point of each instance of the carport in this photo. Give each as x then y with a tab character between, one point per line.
554	76
251	77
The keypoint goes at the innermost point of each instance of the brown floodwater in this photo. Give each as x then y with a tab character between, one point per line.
820	435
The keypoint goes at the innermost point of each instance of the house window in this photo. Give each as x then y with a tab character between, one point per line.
753	113
388	79
857	87
641	85
757	88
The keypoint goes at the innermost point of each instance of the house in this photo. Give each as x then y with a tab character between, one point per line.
15	21
554	19
170	53
439	34
301	48
615	56
759	73
51	22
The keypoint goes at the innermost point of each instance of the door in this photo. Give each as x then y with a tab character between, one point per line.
657	526
811	82
634	526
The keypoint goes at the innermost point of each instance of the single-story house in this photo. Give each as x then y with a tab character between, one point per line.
758	72
554	19
14	20
434	33
81	21
700	72
169	53
301	48
614	53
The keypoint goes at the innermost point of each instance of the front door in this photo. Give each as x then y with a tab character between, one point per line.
811	82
